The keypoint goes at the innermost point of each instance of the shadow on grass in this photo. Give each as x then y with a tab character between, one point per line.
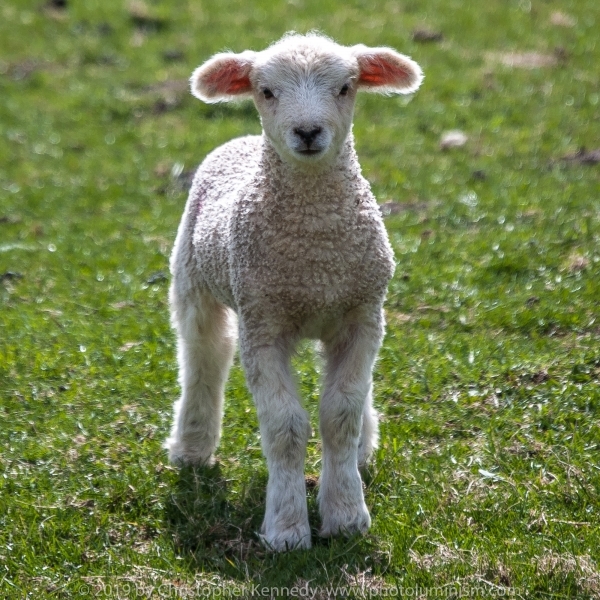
215	530
208	523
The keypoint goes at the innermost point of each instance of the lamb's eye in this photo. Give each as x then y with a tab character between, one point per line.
344	90
268	94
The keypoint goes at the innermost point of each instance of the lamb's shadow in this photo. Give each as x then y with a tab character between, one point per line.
214	527
208	522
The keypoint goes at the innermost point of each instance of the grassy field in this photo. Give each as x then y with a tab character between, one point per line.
487	482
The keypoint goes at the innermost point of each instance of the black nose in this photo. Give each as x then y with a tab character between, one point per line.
308	136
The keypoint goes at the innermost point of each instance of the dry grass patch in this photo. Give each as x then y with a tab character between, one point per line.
583	568
523	60
577	263
562	19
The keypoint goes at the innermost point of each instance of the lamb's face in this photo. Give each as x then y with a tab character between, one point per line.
304	88
305	98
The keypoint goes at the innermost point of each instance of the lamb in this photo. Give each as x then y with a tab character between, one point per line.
283	231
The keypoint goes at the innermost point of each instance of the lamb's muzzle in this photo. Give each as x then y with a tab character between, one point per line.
308	137
283	231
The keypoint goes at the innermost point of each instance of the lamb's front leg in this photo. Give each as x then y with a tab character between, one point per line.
345	410
284	428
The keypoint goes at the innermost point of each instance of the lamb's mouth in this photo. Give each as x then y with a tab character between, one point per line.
310	151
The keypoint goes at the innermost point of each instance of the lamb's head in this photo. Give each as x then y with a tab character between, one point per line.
304	88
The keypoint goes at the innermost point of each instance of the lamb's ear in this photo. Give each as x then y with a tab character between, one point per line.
386	71
224	77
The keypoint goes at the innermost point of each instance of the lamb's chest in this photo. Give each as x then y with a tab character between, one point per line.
311	260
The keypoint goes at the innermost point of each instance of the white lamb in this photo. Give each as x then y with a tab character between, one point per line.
283	230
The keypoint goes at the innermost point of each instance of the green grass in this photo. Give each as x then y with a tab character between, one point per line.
488	476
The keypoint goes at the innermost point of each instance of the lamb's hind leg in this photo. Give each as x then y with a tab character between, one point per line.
369	435
206	338
347	418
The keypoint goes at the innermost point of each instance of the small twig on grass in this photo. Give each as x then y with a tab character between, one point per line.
574	523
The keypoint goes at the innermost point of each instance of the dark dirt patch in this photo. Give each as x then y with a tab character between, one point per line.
583	157
143	20
426	35
157	277
10	276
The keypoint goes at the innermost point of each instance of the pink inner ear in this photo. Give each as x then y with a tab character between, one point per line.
377	71
232	78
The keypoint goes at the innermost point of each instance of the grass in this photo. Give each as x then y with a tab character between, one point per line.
487	479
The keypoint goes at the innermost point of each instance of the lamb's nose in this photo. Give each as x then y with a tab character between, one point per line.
308	136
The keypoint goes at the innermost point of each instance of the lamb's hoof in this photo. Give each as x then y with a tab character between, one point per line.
345	522
293	538
182	456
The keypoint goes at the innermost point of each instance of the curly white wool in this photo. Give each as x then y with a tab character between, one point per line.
283	230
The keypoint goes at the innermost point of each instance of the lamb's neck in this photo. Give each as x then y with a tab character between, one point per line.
311	181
